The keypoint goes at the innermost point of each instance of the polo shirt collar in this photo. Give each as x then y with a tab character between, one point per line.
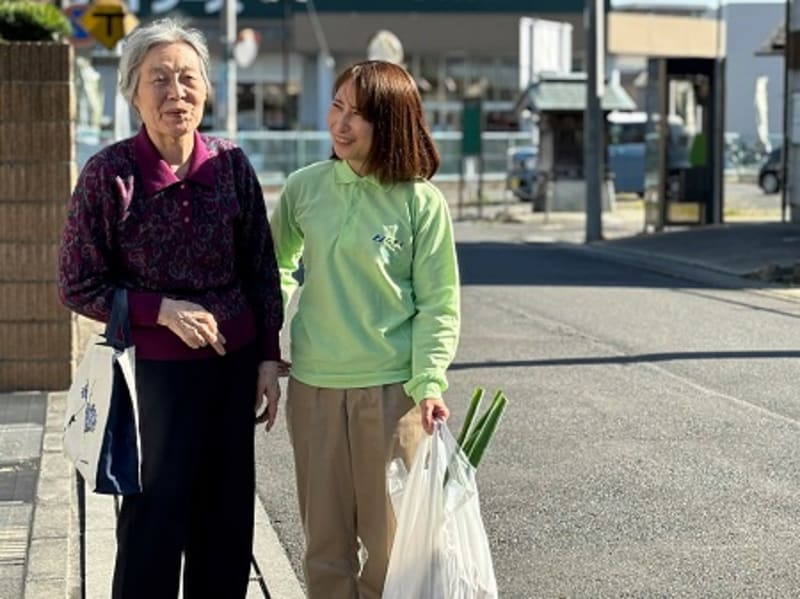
345	174
156	174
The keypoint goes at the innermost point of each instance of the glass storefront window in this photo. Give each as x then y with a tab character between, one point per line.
445	80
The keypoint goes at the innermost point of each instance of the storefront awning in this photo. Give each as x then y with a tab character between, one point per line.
565	93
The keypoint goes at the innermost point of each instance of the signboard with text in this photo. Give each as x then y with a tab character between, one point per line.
274	8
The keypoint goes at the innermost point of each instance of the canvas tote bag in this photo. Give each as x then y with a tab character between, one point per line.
101	426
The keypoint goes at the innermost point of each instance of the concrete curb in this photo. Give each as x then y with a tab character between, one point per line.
50	571
272	560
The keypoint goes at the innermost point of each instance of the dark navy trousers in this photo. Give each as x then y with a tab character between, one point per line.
198	470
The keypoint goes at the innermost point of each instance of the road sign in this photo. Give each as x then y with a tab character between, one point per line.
80	38
108	21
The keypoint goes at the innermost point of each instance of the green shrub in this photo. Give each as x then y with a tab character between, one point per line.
27	21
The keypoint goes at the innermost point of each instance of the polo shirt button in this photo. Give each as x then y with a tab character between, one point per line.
183	185
185	202
186	219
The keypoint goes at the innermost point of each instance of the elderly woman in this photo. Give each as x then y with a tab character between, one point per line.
178	220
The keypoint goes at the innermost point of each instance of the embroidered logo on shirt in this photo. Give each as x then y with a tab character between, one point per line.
390	242
389	238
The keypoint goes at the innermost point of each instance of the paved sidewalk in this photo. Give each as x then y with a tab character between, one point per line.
40	554
763	255
751	250
35	553
40	543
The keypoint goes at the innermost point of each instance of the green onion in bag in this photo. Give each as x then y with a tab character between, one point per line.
475	440
474	404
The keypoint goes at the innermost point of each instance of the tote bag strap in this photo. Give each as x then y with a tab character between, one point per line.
118	329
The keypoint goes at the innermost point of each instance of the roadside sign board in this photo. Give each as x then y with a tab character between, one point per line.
471	127
108	21
80	38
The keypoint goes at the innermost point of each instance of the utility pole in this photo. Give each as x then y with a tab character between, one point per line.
785	145
229	70
593	129
791	149
286	54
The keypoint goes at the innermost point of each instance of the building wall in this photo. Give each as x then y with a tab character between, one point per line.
480	33
274	8
438	46
493	34
486	44
748	26
37	172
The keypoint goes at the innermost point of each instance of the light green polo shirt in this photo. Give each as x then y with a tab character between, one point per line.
380	299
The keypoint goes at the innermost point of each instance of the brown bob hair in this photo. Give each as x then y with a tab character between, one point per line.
387	96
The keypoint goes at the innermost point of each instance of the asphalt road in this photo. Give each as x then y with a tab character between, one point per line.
652	443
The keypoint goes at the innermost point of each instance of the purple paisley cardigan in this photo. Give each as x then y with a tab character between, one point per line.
204	238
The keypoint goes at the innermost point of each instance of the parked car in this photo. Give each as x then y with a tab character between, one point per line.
628	148
521	172
770	176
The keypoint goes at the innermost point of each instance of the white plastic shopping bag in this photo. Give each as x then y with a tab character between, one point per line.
440	548
101	425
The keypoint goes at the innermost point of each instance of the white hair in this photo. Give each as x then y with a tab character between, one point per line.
139	43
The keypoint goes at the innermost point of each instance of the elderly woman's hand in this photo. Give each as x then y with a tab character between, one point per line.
268	386
195	325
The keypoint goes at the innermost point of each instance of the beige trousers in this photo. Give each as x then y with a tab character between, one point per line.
343	440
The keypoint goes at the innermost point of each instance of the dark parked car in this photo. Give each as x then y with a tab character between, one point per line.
770	177
521	172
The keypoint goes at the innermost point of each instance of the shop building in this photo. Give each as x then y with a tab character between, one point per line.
453	48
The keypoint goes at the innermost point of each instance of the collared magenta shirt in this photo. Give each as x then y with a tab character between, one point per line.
133	223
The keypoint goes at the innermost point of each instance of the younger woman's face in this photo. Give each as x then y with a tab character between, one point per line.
350	133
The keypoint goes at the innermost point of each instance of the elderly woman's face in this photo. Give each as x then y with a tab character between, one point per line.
171	92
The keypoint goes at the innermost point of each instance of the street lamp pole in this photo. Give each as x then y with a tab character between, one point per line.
285	49
229	79
594	148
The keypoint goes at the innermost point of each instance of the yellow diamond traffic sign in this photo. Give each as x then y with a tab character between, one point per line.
108	21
